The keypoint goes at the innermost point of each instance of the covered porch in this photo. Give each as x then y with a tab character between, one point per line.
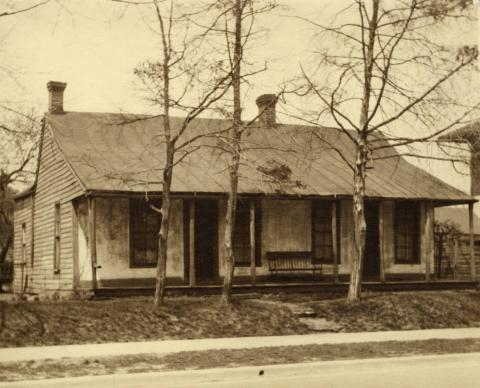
279	243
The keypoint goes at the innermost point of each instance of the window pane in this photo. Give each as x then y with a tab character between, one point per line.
406	232
322	230
56	238
241	234
144	228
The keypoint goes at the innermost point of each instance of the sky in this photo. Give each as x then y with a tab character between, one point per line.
94	45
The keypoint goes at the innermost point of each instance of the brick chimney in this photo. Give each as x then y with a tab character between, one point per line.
266	109
55	96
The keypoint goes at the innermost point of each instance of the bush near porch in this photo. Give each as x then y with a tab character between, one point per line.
135	319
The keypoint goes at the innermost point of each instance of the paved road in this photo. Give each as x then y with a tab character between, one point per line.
448	371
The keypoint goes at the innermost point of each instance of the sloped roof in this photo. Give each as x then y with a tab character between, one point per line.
115	152
468	133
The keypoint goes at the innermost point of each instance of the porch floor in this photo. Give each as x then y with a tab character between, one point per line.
294	286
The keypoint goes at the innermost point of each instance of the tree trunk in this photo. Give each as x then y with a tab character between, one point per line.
229	230
164	229
168	168
359	224
235	135
5	248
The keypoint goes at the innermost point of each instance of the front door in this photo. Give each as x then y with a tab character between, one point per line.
206	240
371	264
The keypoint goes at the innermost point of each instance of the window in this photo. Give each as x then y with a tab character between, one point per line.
322	244
24	242
241	235
144	228
56	236
406	233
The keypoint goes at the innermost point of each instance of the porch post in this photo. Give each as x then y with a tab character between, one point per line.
92	243
76	269
253	269
192	243
334	242
473	271
32	232
455	257
381	241
428	243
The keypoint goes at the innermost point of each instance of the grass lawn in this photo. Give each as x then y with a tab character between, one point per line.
135	319
400	310
69	367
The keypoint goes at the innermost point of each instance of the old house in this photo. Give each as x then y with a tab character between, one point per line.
87	223
461	250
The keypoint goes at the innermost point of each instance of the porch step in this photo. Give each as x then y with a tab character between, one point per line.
321	325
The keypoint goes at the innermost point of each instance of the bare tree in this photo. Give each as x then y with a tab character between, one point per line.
18	147
383	67
237	27
234	141
11	9
18	140
186	79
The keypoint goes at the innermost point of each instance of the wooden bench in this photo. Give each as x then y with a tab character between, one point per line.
292	261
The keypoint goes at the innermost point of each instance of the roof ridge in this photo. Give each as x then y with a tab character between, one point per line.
306	125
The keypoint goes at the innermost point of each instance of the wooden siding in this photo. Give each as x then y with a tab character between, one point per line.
281	218
113	242
286	226
22	257
463	266
55	184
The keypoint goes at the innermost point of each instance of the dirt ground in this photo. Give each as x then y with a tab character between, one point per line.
136	319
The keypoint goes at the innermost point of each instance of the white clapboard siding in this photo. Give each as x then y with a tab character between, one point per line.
56	184
22	241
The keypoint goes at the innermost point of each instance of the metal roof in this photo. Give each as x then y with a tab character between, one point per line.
468	133
116	152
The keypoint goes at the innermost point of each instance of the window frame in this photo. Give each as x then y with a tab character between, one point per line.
258	233
57	232
24	242
134	208
319	203
402	208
